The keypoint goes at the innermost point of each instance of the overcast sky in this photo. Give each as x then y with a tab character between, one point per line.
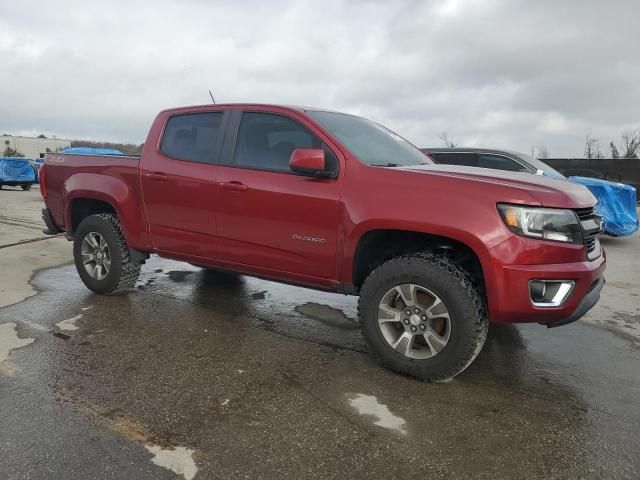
497	73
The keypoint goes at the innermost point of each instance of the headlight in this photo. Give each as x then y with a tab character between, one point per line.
543	223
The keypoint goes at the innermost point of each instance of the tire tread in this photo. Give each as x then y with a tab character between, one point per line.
473	343
129	270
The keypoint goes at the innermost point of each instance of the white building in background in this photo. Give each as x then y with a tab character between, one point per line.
33	148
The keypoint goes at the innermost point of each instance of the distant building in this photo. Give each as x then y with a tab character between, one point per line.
33	148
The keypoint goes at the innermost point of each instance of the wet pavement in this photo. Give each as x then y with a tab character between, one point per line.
214	375
197	374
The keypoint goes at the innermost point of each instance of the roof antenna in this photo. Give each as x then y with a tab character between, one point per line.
212	99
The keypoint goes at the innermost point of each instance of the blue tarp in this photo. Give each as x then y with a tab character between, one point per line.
17	170
92	151
616	204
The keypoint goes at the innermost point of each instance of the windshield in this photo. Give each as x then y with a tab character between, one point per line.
371	143
539	165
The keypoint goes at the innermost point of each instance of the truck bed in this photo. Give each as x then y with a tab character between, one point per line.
70	174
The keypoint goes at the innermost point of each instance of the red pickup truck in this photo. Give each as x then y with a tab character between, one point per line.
338	203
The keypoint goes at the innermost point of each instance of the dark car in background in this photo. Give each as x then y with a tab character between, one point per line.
616	201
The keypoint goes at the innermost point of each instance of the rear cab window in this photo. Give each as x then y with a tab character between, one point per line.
192	137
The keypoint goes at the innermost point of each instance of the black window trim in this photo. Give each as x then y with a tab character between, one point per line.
217	147
233	141
508	157
477	154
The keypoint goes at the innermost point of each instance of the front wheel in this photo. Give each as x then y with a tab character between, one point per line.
102	257
422	316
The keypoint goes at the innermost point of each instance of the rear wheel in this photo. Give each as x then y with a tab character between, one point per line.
102	257
422	316
26	187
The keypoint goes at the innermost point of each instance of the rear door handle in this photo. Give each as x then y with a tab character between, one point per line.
234	186
157	176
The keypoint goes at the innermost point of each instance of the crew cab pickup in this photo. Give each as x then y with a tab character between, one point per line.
339	203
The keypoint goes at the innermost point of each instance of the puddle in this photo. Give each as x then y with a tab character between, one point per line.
179	275
369	405
34	325
178	459
69	323
9	340
327	315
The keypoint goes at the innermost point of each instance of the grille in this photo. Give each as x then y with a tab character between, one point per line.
585	213
590	243
590	224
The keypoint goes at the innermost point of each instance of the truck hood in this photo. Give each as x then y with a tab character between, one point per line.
549	192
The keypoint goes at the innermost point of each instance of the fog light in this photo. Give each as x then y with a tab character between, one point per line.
549	293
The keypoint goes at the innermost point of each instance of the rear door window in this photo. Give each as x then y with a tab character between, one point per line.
455	158
192	137
499	162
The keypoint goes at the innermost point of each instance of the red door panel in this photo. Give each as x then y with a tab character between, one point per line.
180	198
279	221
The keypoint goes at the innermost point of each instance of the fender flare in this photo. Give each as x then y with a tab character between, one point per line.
117	193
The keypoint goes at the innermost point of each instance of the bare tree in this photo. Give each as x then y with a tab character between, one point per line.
591	146
543	151
630	144
444	136
614	150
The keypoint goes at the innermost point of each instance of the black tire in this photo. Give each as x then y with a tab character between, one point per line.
469	323
26	187
123	272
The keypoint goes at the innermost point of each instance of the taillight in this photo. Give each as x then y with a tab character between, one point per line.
43	182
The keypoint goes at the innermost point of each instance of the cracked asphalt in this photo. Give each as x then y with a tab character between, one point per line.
244	378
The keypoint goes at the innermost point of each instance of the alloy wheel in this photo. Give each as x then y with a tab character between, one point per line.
96	257
414	321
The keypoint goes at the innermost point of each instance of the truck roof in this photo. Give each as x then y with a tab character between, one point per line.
208	106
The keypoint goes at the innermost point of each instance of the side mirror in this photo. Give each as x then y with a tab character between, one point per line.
308	161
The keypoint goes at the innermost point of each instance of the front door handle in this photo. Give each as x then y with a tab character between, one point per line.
157	176
234	186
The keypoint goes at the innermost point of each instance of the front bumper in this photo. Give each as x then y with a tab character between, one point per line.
509	299
587	303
